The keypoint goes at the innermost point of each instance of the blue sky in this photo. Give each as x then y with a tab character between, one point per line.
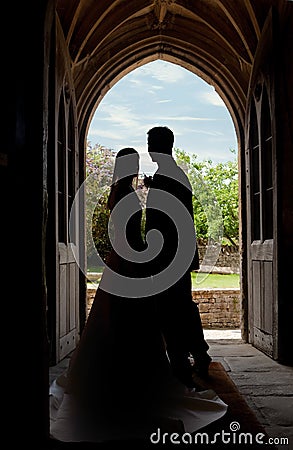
161	93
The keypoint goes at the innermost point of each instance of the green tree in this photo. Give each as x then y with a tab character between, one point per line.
99	170
215	197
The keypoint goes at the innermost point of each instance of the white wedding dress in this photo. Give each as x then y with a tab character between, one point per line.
119	384
185	411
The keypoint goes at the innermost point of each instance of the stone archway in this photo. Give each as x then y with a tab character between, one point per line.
108	43
146	109
214	40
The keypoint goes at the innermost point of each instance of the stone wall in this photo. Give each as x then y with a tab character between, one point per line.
90	298
219	308
228	258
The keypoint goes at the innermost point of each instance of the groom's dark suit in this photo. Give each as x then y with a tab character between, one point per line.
178	314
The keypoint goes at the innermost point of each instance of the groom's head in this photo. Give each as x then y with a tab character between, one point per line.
160	140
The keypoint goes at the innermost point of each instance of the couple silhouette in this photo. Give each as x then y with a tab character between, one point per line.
131	371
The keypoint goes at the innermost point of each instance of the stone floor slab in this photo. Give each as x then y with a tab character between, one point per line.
281	390
234	348
278	409
257	363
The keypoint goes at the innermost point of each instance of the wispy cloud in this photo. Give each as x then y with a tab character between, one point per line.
153	90
156	87
208	133
102	133
187	119
212	98
160	93
118	115
162	71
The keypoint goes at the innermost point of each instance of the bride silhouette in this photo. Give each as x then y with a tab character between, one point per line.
119	384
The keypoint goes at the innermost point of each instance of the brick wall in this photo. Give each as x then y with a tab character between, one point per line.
219	308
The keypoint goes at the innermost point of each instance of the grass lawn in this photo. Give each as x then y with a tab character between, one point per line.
203	280
215	280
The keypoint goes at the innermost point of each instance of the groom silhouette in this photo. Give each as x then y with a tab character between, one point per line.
177	312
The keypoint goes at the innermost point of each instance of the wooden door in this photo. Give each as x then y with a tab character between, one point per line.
261	182
67	273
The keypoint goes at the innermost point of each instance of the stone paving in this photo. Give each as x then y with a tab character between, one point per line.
266	385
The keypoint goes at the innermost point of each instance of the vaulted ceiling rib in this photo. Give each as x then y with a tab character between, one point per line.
216	39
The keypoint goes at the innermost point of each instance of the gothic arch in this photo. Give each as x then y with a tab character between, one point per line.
217	40
213	39
90	99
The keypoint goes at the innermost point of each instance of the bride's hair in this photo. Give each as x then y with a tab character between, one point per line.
125	169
